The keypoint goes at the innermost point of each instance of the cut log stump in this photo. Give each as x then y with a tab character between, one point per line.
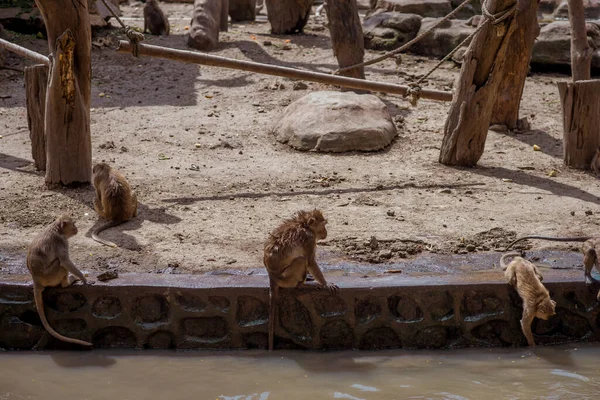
36	82
288	16
581	121
209	16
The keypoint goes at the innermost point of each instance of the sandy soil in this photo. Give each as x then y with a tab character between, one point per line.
148	115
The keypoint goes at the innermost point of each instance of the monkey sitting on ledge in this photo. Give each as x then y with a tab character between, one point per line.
49	264
289	254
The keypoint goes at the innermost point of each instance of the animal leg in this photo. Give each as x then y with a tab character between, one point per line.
526	321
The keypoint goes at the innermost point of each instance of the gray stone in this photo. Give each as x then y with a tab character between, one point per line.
591	8
443	39
424	8
553	45
390	30
336	122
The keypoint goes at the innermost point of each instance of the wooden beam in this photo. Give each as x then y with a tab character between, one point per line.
23	52
217	61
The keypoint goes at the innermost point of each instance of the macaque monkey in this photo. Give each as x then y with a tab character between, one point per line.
289	255
49	264
525	277
155	20
588	249
115	201
595	165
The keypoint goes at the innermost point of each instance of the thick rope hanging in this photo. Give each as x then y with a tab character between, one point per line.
134	37
495	19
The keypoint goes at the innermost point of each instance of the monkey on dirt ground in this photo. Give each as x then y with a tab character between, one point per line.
49	264
155	20
289	254
589	251
527	280
595	165
115	201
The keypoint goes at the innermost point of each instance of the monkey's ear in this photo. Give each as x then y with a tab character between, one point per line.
553	303
62	225
311	221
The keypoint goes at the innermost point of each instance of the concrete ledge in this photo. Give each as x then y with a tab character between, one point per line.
231	312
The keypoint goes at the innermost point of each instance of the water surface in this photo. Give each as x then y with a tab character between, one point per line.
557	372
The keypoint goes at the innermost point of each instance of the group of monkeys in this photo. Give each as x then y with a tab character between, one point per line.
289	255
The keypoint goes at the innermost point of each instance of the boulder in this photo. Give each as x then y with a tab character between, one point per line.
424	8
336	122
553	45
471	9
390	30
591	7
444	39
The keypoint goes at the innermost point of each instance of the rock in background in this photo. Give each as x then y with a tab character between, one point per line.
390	30
336	122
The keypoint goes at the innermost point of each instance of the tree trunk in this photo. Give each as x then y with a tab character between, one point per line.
480	76
346	35
209	16
242	10
510	91
288	16
67	115
36	83
581	53
581	121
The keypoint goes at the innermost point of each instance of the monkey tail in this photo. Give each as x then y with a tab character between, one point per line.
39	304
504	256
554	239
101	228
273	296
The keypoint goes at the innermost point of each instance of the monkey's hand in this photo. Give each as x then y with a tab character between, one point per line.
333	289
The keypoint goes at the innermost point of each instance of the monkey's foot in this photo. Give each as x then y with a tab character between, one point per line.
68	281
332	288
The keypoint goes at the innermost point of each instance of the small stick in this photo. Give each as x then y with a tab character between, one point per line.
23	52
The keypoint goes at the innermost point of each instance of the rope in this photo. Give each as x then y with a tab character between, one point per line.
495	19
134	37
406	45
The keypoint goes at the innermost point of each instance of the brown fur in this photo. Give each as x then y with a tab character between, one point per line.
289	254
525	277
115	201
595	165
590	258
155	20
49	264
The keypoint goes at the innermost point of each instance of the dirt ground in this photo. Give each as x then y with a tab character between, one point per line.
196	144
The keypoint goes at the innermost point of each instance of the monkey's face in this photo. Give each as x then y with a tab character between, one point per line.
67	227
546	310
318	227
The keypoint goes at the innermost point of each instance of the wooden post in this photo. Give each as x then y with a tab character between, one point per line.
581	121
67	115
36	82
288	16
480	76
510	91
580	99
346	35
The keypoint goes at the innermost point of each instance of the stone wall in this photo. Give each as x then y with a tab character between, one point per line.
232	312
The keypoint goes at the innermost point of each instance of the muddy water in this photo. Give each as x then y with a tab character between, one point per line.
560	372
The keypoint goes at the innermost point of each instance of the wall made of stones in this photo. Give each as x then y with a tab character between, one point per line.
395	314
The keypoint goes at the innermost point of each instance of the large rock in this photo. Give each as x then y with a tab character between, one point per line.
390	30
553	45
592	9
424	8
336	122
444	39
